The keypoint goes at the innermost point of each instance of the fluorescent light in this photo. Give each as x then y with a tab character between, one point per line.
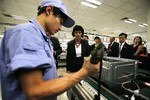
132	20
88	4
19	17
15	16
141	25
94	2
145	24
128	21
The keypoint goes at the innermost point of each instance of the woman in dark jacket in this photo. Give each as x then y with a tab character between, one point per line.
77	49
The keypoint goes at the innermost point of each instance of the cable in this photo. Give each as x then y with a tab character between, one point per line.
138	88
134	93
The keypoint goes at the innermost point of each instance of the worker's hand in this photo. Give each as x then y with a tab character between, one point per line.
89	68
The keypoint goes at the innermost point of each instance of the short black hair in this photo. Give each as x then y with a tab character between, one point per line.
97	38
78	28
56	12
86	36
121	34
41	10
113	38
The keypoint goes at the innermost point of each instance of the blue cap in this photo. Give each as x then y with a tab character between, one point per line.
69	22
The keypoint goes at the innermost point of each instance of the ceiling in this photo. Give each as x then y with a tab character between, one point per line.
105	20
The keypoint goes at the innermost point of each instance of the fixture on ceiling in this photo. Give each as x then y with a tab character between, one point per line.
91	3
128	20
15	16
143	25
9	24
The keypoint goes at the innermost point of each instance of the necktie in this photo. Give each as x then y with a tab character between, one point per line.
120	50
109	45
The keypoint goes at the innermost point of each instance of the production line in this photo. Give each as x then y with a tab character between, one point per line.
119	79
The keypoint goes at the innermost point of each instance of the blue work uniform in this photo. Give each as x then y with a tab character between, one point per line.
25	46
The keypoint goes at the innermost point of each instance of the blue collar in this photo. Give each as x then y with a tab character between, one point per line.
36	23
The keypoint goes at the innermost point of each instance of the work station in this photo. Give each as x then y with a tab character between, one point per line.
113	33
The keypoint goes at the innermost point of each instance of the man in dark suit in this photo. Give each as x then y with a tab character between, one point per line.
123	48
57	49
112	48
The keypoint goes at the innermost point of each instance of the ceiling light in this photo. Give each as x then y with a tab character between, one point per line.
9	24
132	20
88	4
94	2
127	21
141	25
19	17
145	24
15	16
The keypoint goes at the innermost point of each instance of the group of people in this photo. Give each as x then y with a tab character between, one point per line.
126	50
134	51
121	49
78	48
